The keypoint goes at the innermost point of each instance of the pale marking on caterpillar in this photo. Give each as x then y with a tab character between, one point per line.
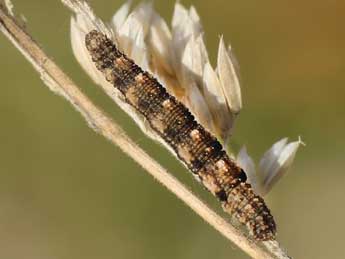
198	150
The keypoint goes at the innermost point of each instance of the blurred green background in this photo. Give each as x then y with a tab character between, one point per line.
65	192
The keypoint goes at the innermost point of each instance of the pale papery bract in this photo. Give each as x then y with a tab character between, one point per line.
273	165
179	60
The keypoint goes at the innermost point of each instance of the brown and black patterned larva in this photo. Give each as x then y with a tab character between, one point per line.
192	143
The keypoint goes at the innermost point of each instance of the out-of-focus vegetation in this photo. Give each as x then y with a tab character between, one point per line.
65	192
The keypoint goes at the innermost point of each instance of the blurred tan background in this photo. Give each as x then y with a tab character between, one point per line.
65	192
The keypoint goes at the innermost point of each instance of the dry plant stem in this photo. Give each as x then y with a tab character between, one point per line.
57	81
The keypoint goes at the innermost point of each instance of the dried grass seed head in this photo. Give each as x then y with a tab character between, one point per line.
179	60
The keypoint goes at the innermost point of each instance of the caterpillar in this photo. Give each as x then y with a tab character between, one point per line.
197	148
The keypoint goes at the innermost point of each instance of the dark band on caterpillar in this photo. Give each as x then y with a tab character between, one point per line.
193	144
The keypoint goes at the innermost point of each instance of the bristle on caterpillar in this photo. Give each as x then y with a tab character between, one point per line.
192	143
